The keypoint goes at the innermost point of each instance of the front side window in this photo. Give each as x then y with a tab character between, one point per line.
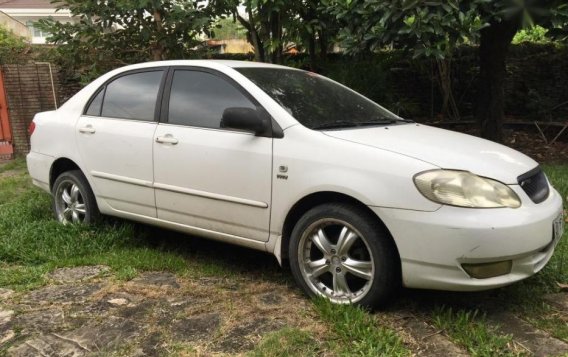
315	101
132	96
200	98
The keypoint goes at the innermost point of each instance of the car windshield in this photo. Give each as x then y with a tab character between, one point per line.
316	101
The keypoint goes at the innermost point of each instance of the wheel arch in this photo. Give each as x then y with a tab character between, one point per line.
318	198
60	166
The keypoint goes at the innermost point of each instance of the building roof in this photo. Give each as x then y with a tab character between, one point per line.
27	4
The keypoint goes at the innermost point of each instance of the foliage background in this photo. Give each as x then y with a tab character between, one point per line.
409	84
536	88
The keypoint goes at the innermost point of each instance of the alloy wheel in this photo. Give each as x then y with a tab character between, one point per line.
69	203
335	261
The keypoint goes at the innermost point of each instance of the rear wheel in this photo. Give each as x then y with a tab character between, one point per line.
340	252
73	199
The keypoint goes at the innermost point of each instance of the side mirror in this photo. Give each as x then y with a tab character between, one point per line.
247	119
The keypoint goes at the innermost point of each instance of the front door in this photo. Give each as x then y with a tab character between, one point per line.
206	176
115	141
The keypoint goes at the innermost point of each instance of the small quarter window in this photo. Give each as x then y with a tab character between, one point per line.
133	96
96	104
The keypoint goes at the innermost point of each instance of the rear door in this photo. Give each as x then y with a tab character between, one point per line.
206	176
115	140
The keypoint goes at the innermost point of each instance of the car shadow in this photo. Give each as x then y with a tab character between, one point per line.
256	264
236	259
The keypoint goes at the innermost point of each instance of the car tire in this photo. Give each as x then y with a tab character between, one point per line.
341	252
73	200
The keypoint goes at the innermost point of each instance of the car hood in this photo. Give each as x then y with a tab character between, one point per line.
443	148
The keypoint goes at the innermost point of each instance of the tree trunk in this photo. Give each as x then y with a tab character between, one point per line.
157	47
494	45
449	106
308	16
323	45
276	37
253	37
312	51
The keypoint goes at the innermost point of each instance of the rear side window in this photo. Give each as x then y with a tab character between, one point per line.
96	104
132	96
200	98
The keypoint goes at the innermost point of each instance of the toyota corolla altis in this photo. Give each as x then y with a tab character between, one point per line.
356	199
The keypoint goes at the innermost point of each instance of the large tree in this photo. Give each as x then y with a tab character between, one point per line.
274	25
265	21
111	33
313	29
434	28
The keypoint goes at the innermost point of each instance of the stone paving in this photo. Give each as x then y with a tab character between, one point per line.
84	311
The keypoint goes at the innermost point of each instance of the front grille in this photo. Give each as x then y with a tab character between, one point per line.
535	184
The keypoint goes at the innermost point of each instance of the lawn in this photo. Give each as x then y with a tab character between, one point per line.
32	244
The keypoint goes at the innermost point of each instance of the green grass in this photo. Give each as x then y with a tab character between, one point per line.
288	342
13	180
18	164
358	333
557	269
470	330
525	299
33	243
526	296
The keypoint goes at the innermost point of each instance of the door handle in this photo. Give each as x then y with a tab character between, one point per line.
167	139
87	129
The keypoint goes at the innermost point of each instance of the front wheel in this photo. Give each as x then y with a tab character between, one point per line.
73	199
342	253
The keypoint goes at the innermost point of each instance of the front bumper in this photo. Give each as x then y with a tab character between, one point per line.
434	245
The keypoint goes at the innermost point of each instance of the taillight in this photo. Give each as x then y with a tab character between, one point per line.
31	128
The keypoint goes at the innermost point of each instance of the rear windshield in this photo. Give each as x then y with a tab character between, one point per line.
316	101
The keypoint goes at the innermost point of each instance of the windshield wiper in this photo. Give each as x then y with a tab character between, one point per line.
337	124
352	124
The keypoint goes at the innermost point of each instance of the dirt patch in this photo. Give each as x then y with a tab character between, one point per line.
271	299
6	333
62	294
559	300
156	313
151	346
90	338
71	275
245	336
158	279
11	173
196	328
86	312
5	293
46	320
422	338
534	341
533	145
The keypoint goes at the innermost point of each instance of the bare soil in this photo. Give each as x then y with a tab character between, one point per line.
86	312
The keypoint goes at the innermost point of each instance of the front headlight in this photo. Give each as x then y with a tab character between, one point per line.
464	189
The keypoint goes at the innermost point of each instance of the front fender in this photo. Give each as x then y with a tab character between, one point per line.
315	162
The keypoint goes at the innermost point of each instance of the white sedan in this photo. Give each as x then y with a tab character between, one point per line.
356	199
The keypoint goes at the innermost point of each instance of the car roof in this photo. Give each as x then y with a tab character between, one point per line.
210	63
